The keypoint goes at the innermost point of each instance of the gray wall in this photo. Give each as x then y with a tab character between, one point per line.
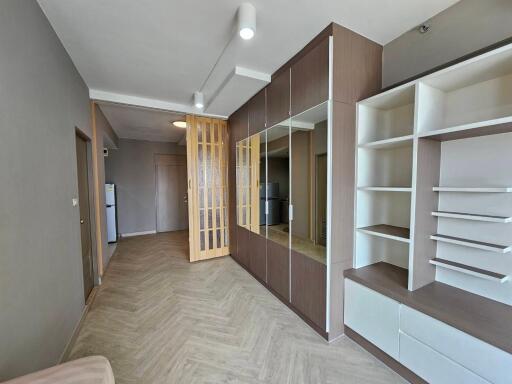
132	169
461	29
42	100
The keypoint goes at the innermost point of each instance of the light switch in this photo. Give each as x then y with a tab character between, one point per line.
75	201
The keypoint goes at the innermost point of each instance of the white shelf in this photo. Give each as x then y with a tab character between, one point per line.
474	189
388	232
385	189
474	217
394	142
469	270
472	243
479	128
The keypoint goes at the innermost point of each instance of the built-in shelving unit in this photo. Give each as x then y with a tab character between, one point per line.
473	216
442	248
443	141
385	139
482	273
472	243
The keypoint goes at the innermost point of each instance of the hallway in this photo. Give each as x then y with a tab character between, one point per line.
160	319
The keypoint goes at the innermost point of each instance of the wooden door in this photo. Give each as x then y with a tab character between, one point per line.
207	187
171	193
85	218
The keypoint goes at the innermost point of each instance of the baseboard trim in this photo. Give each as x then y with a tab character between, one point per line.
132	234
396	366
69	346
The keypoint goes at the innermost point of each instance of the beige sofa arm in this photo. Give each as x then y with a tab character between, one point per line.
89	370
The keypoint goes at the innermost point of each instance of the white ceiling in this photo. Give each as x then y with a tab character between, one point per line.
143	124
161	51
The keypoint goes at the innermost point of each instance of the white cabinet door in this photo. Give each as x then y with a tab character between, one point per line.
484	359
432	366
373	316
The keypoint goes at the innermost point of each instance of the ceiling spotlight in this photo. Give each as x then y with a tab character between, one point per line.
246	21
198	100
180	124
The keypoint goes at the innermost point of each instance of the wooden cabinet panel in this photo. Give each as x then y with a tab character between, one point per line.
278	272
310	79
357	65
257	112
239	123
258	256
243	245
278	98
308	295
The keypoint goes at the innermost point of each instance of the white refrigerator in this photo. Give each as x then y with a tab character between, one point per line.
110	202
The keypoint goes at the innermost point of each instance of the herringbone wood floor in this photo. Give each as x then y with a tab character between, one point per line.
160	319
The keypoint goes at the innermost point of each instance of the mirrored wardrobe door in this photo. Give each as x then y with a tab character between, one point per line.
308	261
277	218
308	139
258	150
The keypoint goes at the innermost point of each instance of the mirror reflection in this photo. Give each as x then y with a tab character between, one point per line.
309	182
277	185
282	166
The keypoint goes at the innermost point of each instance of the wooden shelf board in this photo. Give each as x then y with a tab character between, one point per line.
464	131
469	270
385	189
472	243
394	142
472	216
387	231
473	314
473	189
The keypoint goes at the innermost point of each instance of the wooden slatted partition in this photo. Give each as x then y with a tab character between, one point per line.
208	190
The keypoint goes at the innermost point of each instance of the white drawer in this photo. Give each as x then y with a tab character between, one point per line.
432	366
481	358
373	316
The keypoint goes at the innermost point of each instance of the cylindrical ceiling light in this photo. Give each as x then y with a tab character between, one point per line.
199	100
246	21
